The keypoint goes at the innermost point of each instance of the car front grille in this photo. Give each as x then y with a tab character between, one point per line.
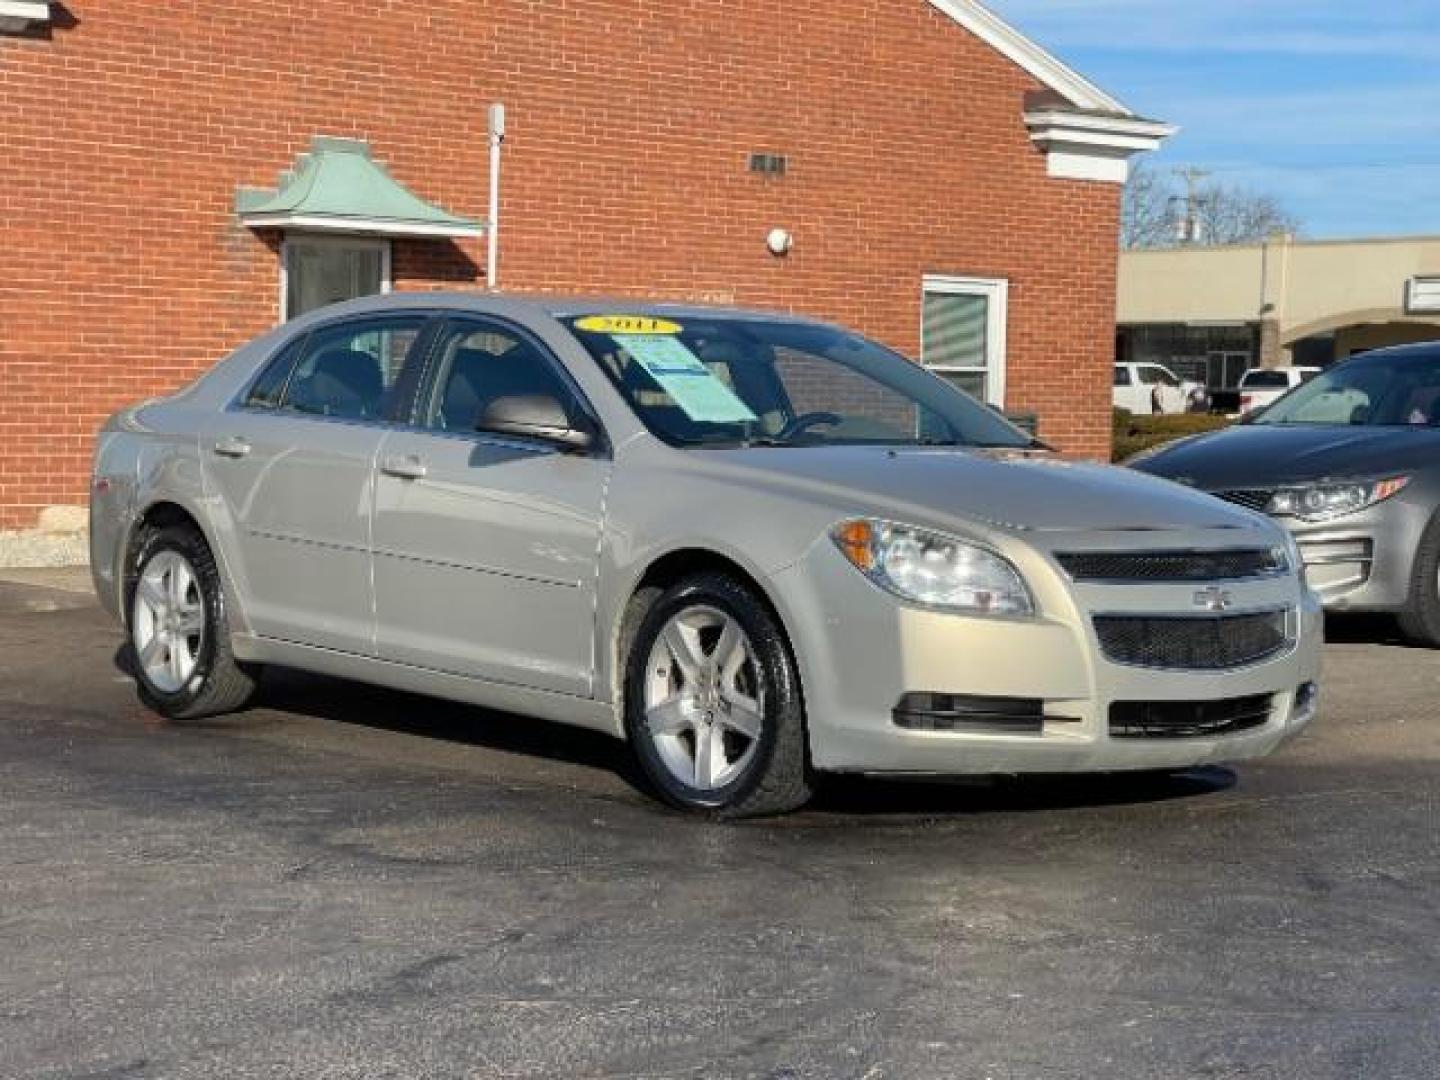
1188	719
1191	642
1250	498
1172	565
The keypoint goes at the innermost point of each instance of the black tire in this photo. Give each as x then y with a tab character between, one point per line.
778	777
219	684
1420	621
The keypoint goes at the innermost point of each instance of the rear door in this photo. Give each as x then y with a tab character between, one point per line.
291	466
487	546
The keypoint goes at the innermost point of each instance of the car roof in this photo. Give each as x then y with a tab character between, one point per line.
521	305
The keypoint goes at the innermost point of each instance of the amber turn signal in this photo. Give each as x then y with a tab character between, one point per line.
857	540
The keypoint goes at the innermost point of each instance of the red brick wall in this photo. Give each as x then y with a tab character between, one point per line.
125	133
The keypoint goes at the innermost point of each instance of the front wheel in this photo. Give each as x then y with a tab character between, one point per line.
179	635
1420	621
713	706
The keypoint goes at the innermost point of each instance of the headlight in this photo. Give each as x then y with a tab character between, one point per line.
1319	502
933	569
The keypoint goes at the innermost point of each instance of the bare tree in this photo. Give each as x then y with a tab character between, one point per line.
1158	206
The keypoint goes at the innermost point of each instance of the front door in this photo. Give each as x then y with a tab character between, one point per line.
292	465
486	547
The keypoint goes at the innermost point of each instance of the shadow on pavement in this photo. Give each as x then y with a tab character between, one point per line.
1365	630
322	697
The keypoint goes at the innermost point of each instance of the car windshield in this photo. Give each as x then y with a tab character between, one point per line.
725	380
1397	390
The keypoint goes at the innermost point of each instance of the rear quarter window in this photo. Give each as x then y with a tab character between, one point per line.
266	391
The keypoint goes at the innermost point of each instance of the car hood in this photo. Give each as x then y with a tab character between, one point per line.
1018	492
1272	455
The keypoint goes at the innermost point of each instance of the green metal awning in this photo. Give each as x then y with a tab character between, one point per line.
339	188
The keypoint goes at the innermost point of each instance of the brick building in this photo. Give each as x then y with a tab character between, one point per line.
933	167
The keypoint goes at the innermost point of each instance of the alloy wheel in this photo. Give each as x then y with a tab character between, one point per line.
168	621
704	708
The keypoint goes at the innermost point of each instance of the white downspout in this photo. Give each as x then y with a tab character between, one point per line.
492	226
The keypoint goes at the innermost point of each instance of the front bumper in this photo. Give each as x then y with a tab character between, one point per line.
861	651
1363	562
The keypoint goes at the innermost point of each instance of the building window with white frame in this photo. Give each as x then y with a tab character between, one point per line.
322	270
962	333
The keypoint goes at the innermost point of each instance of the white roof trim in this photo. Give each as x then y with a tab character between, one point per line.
1083	146
19	14
357	226
1000	35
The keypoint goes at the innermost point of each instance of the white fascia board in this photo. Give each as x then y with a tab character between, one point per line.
1045	66
1082	147
22	14
360	226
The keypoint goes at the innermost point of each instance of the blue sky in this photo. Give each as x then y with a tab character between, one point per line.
1334	105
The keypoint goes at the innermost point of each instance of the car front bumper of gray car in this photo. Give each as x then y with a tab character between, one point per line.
1363	562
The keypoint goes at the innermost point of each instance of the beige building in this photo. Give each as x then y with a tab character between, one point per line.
1210	313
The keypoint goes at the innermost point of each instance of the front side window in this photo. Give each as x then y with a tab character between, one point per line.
324	270
962	334
755	381
350	371
1378	391
476	364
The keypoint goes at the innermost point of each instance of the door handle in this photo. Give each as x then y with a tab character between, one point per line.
408	467
232	446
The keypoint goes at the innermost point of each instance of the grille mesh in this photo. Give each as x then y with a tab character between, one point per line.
1170	565
1188	719
1209	643
1251	499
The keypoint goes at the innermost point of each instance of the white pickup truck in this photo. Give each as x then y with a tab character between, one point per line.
1262	387
1152	388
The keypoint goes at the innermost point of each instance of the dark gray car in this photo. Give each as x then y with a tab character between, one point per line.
1350	463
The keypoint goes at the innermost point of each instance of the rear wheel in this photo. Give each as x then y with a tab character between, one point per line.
179	636
712	702
1420	621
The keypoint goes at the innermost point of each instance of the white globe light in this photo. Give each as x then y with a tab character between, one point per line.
779	242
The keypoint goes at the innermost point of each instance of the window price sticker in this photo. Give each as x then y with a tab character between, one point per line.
682	375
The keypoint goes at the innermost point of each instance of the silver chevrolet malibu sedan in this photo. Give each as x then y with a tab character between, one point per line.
756	547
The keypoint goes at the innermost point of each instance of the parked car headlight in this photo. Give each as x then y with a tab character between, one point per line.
933	569
1318	502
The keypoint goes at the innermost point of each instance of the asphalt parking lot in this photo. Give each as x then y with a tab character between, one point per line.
346	882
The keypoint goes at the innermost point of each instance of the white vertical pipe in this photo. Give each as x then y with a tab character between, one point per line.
492	230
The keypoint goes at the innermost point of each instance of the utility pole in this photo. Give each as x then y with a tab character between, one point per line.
1187	226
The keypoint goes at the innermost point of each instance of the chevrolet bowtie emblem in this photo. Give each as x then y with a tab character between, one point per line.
1214	599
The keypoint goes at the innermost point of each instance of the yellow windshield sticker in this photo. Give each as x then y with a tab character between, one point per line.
626	324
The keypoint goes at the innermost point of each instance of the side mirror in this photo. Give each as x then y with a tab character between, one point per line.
534	416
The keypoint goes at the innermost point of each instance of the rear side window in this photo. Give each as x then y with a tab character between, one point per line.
1265	380
350	371
1122	376
266	391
